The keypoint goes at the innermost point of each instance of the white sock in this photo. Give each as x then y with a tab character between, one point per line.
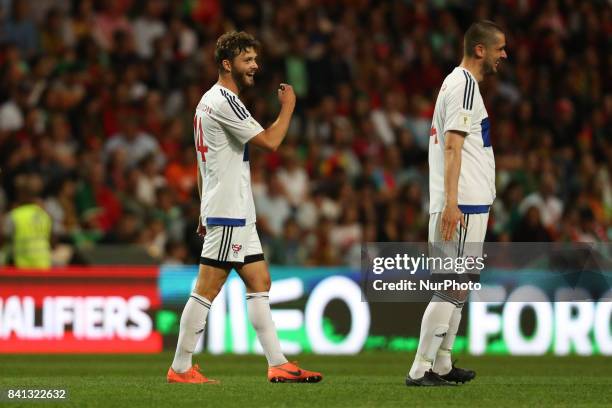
443	363
433	328
193	321
261	318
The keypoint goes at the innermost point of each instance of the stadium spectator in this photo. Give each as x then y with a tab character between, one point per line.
28	227
11	111
21	29
61	207
293	177
181	173
288	249
148	27
273	208
531	229
549	206
148	181
137	143
176	253
96	203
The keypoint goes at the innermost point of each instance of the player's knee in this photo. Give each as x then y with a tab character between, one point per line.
453	296
266	284
259	286
462	295
259	283
209	290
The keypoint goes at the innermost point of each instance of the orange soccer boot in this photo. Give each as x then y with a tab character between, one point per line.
291	373
191	376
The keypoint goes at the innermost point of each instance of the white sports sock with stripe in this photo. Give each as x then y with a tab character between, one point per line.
258	304
443	363
193	321
433	328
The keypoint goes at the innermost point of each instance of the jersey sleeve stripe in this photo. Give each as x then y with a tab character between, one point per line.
471	97
465	90
232	105
240	107
468	91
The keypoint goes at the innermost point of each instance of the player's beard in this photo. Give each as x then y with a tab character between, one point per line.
489	68
242	80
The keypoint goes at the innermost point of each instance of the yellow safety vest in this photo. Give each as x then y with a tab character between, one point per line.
31	237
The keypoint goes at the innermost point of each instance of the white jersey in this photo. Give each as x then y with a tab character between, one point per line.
460	107
222	128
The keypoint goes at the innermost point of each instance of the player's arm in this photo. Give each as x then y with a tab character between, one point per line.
272	137
457	125
451	214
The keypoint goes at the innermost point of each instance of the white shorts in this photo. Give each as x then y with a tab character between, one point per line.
467	241
225	246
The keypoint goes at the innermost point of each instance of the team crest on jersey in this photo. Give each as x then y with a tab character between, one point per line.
236	248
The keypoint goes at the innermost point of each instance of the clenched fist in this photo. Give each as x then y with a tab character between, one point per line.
286	96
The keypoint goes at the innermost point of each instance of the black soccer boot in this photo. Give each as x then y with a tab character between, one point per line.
429	379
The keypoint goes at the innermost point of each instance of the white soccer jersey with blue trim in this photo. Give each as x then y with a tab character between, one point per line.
222	128
460	107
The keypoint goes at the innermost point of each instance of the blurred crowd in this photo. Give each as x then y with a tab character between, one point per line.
97	101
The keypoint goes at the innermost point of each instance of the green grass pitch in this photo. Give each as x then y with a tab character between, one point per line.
373	379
